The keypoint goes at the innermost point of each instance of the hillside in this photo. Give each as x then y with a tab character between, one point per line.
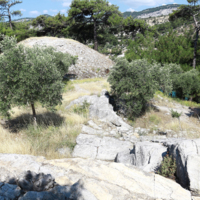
28	18
153	12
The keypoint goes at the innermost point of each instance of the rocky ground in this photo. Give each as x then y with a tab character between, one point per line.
111	160
90	63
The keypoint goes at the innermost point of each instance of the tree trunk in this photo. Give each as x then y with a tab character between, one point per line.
34	114
95	36
9	16
195	48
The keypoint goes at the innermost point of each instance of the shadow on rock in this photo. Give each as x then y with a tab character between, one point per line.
23	121
31	185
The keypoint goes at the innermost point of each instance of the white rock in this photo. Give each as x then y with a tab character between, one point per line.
84	151
110	147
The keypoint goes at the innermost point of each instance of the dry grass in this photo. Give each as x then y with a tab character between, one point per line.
60	129
54	130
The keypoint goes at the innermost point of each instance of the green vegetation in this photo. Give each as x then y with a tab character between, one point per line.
168	167
132	85
30	75
175	114
93	14
6	5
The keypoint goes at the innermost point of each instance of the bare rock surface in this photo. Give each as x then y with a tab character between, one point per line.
145	155
88	179
101	109
187	155
90	63
106	148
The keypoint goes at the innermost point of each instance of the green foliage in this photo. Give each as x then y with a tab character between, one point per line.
85	14
168	48
51	26
5	6
188	83
168	167
32	75
175	114
133	84
21	30
132	26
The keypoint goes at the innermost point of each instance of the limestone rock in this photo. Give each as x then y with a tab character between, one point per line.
181	150
31	181
110	147
101	109
8	191
105	148
100	180
193	170
145	155
84	151
90	63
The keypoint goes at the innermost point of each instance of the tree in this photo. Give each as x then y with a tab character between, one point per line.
133	26
51	25
5	9
190	11
96	12
30	75
132	85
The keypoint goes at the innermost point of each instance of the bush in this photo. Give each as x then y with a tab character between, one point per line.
132	85
168	167
175	114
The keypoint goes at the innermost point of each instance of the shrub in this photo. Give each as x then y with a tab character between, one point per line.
175	114
168	167
132	85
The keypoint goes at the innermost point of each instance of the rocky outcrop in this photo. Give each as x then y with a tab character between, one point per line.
101	109
90	63
106	148
158	13
145	155
187	155
87	179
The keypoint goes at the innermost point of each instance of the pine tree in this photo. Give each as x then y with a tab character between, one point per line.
95	12
5	6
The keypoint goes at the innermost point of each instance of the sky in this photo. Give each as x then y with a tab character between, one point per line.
34	8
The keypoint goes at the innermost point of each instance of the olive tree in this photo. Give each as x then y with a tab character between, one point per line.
30	75
133	85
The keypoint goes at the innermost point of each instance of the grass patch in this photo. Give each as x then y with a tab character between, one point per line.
55	130
88	80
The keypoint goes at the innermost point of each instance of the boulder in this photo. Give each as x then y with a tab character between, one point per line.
88	179
90	63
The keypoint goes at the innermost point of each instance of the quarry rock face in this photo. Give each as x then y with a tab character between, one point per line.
90	63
